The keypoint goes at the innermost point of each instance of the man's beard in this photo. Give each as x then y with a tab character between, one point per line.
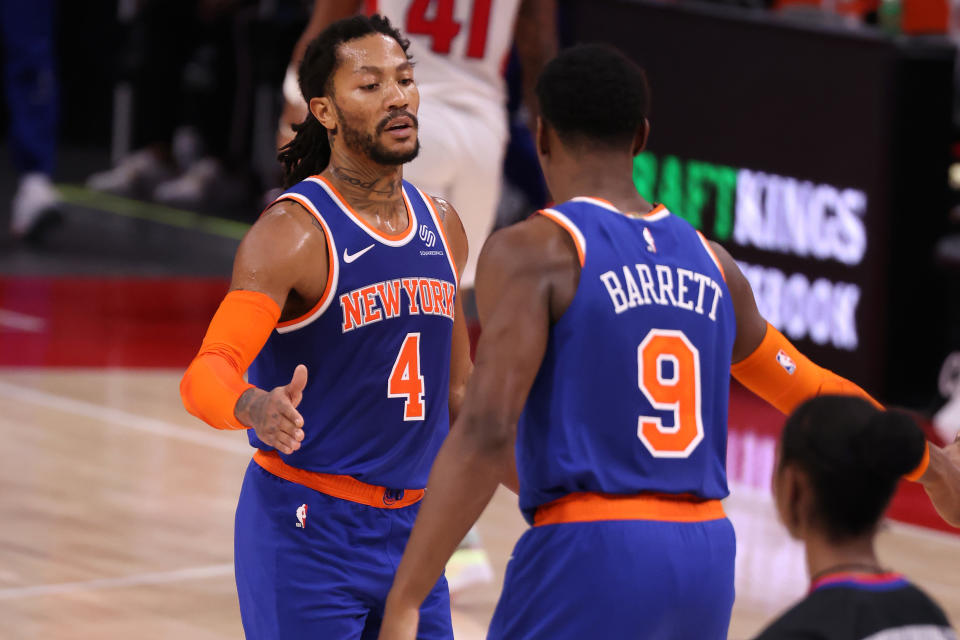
370	145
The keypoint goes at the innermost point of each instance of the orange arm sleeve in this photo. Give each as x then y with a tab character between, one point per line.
785	378
214	380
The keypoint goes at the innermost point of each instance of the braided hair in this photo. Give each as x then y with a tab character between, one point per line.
309	152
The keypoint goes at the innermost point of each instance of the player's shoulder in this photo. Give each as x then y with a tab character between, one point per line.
536	243
285	216
443	207
285	230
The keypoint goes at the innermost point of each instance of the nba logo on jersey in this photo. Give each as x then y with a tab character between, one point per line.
651	245
302	516
786	362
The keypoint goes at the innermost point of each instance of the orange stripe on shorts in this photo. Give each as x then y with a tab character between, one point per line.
593	507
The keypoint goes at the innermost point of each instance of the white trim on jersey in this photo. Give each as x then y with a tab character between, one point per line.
653	216
571	228
659	215
427	200
334	270
710	252
411	229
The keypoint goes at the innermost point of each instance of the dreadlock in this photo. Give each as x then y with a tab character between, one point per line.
309	152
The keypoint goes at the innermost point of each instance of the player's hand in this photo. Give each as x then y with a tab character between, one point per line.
273	414
399	623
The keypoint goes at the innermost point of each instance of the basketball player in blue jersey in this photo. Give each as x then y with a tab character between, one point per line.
609	329
343	304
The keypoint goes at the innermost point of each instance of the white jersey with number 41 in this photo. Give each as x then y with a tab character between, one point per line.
460	47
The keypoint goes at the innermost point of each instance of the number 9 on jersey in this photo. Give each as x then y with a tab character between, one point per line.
678	392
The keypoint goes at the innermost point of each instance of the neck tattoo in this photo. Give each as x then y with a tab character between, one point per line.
381	186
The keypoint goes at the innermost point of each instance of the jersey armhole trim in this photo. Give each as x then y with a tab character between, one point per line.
712	254
428	200
564	222
333	270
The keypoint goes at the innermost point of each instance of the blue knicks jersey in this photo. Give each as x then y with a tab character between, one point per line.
376	346
633	390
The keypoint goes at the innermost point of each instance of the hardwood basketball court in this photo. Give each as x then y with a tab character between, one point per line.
117	520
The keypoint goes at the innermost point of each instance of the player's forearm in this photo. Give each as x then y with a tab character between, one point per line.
941	481
210	389
535	37
777	372
213	383
458	390
463	479
325	12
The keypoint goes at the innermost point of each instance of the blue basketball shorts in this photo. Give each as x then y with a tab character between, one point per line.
309	565
640	579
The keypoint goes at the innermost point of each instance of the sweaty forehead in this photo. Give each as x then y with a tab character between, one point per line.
374	51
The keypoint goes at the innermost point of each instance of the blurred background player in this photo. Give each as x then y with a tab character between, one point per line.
621	466
460	49
188	150
839	462
353	273
30	82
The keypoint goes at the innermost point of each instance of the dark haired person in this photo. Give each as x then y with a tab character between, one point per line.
609	329
460	50
840	460
343	304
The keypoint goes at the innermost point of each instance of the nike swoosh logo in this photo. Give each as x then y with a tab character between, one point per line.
348	257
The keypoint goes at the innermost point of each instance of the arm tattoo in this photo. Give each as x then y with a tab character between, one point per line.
251	406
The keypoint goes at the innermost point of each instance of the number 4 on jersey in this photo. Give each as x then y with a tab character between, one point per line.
406	381
679	392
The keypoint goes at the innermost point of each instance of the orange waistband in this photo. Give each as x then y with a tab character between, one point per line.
343	487
590	507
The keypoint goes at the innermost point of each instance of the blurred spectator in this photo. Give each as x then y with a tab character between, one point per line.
31	89
189	65
946	421
839	462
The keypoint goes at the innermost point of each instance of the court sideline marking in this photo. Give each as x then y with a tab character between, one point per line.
84	197
135	580
124	419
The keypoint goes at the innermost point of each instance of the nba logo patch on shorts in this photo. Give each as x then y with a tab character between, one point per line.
786	362
302	516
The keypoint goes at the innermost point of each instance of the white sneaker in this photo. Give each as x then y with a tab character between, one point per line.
35	202
136	175
946	422
468	567
193	187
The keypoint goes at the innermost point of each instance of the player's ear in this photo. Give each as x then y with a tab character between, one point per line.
543	142
640	139
323	110
790	500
